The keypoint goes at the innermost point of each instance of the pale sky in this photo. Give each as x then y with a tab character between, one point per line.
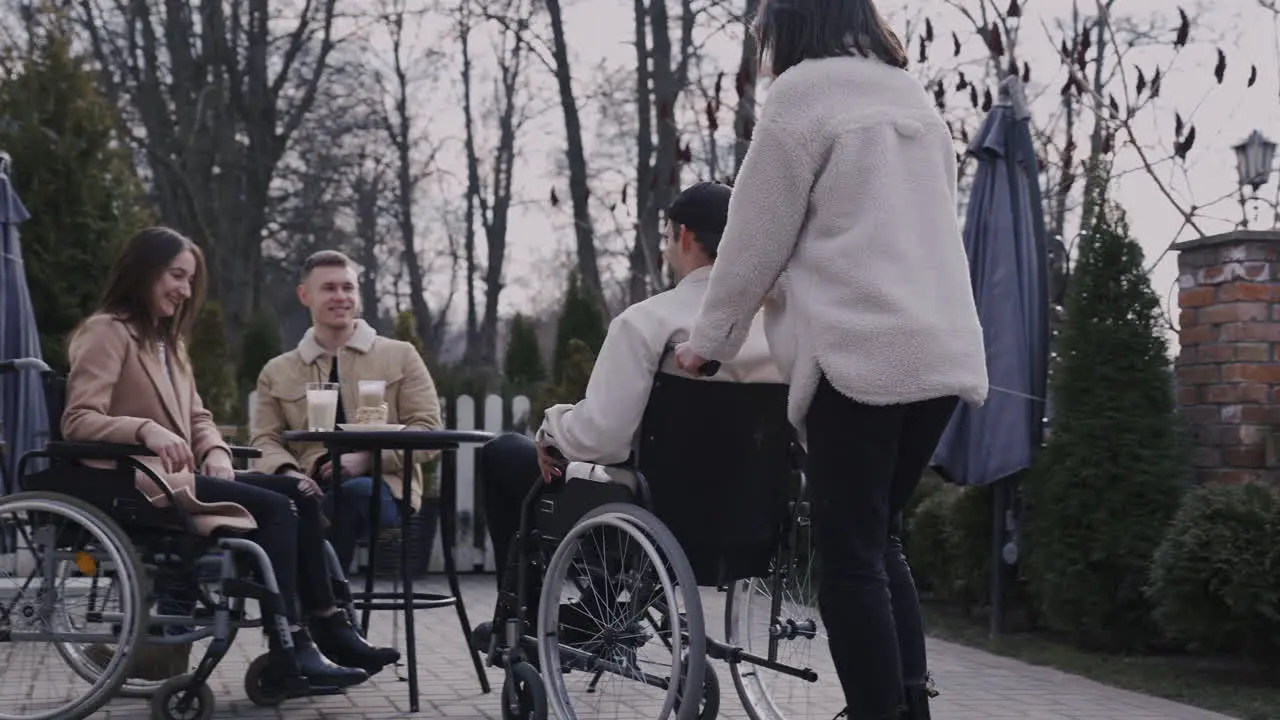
600	32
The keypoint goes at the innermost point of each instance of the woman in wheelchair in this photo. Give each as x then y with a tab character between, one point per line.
131	382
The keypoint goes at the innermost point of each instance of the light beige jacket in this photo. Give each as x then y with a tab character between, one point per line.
117	386
282	400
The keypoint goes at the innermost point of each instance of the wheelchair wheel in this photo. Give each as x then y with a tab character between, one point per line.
88	660
621	618
101	601
171	701
777	618
523	697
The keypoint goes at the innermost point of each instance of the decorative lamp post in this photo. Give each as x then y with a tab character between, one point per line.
1254	165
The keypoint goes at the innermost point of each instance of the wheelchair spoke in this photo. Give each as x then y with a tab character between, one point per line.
605	621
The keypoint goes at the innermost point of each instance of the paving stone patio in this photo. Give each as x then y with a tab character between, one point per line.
974	685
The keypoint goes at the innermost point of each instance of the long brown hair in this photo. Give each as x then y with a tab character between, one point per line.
138	267
789	32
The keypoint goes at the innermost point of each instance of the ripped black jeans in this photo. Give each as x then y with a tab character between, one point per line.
864	463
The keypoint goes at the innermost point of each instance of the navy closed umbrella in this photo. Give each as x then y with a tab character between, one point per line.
22	410
1004	236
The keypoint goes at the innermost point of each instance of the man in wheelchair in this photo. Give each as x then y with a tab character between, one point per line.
579	441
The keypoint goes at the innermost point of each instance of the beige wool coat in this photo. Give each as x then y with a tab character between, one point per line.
118	386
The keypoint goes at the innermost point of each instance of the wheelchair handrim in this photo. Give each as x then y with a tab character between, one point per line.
548	645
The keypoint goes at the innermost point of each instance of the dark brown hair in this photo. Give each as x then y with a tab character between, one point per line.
789	32
325	258
139	265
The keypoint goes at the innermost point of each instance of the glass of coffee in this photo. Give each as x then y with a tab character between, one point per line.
371	392
322	406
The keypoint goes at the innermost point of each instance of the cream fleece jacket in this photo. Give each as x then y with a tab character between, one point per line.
843	225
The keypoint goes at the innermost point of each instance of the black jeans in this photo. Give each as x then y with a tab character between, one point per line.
290	530
864	462
508	470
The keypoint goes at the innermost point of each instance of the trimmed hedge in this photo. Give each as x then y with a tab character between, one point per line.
1215	579
949	545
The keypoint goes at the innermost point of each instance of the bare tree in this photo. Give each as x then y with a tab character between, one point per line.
491	197
216	91
584	230
662	74
410	167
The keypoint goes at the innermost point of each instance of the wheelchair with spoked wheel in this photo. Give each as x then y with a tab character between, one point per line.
80	551
601	601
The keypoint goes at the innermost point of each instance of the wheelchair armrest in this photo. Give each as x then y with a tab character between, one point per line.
241	452
95	450
125	454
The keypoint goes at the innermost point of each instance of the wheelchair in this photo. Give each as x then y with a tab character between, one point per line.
81	550
600	599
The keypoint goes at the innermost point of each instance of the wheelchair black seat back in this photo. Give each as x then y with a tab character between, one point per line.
719	458
112	490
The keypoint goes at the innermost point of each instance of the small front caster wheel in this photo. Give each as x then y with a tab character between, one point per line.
173	701
260	685
523	697
709	698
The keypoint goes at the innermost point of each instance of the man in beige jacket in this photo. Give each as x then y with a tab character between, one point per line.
341	348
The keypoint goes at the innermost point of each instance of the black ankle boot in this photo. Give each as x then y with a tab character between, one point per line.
318	670
340	642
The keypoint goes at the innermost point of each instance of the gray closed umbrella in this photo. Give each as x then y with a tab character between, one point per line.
22	410
1004	236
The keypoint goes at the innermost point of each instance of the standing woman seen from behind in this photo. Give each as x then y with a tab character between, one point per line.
131	382
843	223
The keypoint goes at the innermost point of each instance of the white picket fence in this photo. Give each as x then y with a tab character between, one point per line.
472	551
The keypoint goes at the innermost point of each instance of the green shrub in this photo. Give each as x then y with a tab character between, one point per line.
572	387
261	343
968	537
522	365
580	320
926	540
1110	478
949	545
1215	579
213	367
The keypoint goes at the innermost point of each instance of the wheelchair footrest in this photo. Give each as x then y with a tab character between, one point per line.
323	690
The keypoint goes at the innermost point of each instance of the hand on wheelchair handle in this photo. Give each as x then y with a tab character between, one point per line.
552	462
692	362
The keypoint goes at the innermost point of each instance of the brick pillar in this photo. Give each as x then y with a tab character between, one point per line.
1229	365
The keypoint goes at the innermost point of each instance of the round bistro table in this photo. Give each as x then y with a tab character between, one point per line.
407	600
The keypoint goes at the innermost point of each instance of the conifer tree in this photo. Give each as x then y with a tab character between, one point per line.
73	173
579	320
1110	478
523	366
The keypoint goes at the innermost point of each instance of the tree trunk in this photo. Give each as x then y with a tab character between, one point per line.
473	350
398	128
584	231
744	117
669	78
637	288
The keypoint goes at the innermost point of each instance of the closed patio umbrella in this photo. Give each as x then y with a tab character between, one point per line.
1004	236
22	410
